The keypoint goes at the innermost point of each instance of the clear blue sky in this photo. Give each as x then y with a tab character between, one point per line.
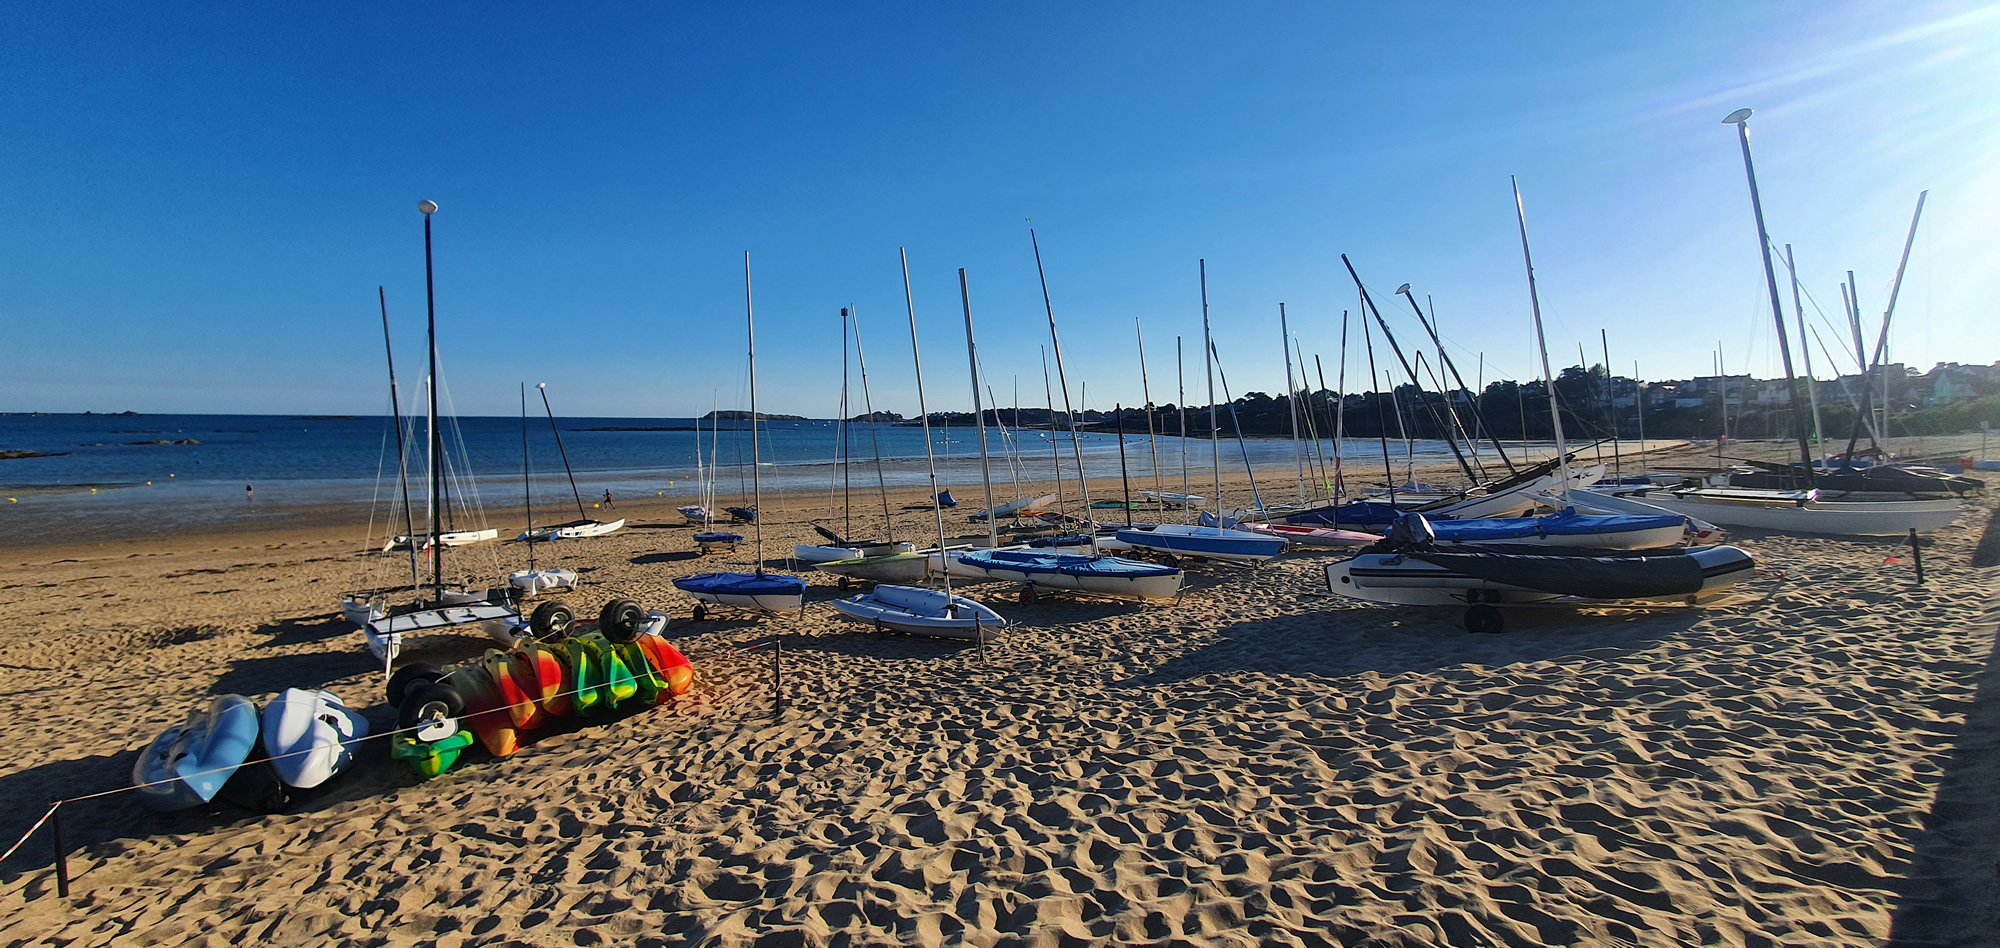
197	202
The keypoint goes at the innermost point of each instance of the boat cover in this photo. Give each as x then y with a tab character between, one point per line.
1564	523
742	584
1596	576
1067	564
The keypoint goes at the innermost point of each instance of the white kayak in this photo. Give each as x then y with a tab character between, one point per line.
1022	506
534	581
310	736
923	612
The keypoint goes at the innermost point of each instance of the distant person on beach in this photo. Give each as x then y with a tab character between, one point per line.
608	505
249	493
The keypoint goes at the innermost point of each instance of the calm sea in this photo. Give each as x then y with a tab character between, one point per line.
115	474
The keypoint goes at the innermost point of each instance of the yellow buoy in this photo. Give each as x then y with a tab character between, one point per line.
93	490
595	506
13	500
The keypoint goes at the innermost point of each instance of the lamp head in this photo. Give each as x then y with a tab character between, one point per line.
1403	290
428	207
1737	117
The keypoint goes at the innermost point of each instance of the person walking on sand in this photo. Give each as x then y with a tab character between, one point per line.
608	505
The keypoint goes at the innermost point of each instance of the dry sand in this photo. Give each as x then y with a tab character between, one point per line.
1258	763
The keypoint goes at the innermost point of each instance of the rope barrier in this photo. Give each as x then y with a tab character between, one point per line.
62	875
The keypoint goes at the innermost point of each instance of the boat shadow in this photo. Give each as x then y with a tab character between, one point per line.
1343	642
677	556
298	630
271	674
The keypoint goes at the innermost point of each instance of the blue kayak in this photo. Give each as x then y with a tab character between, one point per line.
1567	527
187	765
1215	543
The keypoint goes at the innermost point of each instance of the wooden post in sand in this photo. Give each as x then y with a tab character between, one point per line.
1916	554
62	854
777	678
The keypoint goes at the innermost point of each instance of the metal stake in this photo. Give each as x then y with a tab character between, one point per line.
62	853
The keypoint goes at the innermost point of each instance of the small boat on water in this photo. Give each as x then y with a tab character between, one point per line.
1098	575
1210	543
924	612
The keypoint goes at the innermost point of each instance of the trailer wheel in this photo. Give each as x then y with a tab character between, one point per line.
1484	618
551	620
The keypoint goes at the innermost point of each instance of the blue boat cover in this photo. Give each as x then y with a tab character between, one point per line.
1067	564
742	584
1359	513
718	536
944	499
1564	523
742	514
1235	543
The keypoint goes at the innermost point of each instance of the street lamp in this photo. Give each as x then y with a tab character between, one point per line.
1741	119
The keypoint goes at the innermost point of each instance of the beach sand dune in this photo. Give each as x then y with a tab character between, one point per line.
1259	763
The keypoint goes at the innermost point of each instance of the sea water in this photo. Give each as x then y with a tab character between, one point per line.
113	474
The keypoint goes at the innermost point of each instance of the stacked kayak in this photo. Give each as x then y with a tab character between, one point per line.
1567	527
623	663
231	751
1211	543
1099	575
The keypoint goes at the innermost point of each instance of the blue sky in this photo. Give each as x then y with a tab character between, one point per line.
197	203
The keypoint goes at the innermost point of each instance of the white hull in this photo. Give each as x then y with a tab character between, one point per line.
924	612
1023	506
1831	518
533	582
897	568
1123	587
454	538
500	623
574	531
1518	500
807	553
767	602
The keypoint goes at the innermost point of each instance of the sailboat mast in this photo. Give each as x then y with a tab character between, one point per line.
1208	365
527	485
543	388
1062	377
1340	414
978	410
923	411
402	462
1381	423
436	437
756	472
1741	119
1180	381
1542	342
844	444
1124	476
874	440
1146	389
1055	438
1812	387
1292	398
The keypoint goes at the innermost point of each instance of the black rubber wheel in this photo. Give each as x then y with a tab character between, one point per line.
1484	618
1026	596
621	619
700	612
551	620
408	678
428	700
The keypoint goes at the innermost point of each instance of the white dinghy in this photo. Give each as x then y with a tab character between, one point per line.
924	612
310	736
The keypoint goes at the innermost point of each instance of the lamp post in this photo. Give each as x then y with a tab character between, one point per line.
1741	119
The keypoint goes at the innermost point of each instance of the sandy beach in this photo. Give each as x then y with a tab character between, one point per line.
1813	762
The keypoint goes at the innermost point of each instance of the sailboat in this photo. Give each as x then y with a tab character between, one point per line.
531	581
585	525
887	560
914	609
1217	542
760	590
436	608
1090	573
